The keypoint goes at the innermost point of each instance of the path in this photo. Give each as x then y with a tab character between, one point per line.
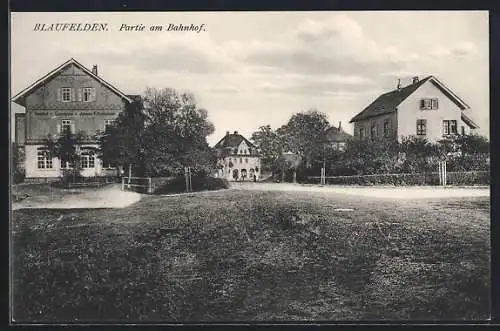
399	192
107	197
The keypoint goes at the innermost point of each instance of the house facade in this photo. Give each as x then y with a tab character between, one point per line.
70	97
425	108
337	138
237	158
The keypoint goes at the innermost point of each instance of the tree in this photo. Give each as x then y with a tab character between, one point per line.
67	149
270	145
175	134
466	152
121	143
288	162
17	160
303	132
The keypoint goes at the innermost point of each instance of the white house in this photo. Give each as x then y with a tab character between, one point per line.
237	158
425	108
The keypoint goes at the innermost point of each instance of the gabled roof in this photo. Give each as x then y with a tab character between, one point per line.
469	121
334	134
388	102
19	98
232	140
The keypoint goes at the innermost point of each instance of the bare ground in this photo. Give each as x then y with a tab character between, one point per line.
45	196
391	192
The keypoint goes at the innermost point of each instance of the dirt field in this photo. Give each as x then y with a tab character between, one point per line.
45	196
409	192
256	255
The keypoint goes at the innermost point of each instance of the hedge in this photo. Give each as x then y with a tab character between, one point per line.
178	185
431	178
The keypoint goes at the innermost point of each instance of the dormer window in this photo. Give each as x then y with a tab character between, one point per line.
429	104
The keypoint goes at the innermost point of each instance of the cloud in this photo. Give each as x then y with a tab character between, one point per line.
193	53
336	86
464	48
459	50
223	90
337	45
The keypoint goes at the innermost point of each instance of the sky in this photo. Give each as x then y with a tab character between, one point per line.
250	69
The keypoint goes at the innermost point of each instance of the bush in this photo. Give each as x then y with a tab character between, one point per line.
430	178
67	180
178	185
468	178
19	176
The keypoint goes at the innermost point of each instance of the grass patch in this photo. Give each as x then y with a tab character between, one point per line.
250	255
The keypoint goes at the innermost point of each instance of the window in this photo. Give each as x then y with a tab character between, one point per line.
66	126
87	161
421	127
428	103
241	160
44	159
449	127
108	165
362	133
246	160
374	131
387	128
66	165
88	94
66	93
107	123
462	130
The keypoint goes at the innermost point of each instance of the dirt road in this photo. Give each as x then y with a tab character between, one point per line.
402	192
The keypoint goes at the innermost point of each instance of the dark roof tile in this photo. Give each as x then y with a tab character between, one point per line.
388	102
232	140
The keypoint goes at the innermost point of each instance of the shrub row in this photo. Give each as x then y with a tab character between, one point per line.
178	185
452	178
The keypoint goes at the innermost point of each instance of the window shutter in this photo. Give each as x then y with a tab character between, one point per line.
73	95
93	94
58	128
58	94
422	104
79	94
73	128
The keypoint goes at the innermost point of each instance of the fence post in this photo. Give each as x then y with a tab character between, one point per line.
190	183
444	173
150	188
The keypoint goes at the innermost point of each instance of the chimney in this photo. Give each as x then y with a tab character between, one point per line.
94	69
227	133
340	126
399	84
415	79
235	132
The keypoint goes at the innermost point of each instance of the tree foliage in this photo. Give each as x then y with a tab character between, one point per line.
302	133
66	147
121	143
270	145
175	134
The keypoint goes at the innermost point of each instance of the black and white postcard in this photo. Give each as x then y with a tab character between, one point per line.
195	167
